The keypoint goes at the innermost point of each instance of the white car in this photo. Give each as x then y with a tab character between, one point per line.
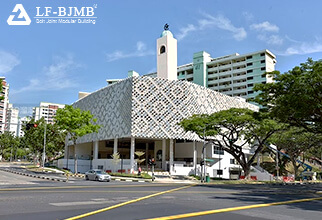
98	175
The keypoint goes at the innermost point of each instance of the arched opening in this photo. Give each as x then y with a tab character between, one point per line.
162	49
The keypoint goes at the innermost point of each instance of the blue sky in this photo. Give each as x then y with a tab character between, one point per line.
52	62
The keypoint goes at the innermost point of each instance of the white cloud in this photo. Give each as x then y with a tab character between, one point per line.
271	39
185	31
141	51
265	27
57	76
302	49
219	21
248	16
7	62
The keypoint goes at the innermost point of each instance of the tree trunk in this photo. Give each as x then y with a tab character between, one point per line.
295	168
246	170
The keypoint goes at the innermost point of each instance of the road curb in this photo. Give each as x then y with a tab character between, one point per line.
131	180
34	176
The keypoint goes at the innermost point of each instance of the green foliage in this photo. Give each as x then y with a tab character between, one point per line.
1	88
34	138
9	145
234	129
295	141
75	122
139	154
296	96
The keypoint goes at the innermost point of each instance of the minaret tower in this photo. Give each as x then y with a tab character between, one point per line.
167	55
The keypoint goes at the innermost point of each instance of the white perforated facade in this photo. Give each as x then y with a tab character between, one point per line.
145	107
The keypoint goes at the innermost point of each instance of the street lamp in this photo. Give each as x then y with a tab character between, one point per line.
44	153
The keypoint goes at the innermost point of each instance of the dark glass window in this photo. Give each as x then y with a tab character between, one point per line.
162	49
249	71
263	68
218	150
249	64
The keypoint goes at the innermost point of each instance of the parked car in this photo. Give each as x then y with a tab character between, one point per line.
98	175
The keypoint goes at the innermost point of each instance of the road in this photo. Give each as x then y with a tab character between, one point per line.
30	198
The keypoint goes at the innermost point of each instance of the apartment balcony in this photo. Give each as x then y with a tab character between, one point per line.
242	63
242	77
224	86
236	71
213	69
228	66
238	91
239	84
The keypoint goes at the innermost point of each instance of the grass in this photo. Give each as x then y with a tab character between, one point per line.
142	176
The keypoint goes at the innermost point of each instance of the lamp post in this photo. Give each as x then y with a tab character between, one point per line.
44	153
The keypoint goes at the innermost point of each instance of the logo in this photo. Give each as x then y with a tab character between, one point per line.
23	15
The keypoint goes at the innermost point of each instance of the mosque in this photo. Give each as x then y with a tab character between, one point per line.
141	114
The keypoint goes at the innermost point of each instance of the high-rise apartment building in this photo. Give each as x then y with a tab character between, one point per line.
4	105
233	75
47	111
12	120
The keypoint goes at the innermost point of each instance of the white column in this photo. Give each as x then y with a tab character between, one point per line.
115	146
195	156
95	150
163	154
132	154
171	156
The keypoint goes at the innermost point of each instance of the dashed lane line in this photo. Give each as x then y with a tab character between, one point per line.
126	203
215	211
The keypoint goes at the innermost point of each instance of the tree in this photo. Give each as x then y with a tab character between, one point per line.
34	138
115	160
1	88
139	154
233	130
9	144
294	142
296	96
75	122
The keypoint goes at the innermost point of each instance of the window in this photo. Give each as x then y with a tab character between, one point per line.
262	61
218	150
250	78
249	64
262	54
249	57
250	85
162	49
263	68
232	161
249	71
250	92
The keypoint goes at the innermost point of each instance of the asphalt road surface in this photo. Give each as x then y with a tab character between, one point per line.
29	198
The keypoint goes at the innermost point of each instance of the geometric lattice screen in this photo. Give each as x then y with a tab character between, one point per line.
146	107
159	104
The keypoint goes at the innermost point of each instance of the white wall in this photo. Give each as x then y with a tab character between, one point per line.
82	165
108	164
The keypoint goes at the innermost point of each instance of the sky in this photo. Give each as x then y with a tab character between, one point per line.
52	62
